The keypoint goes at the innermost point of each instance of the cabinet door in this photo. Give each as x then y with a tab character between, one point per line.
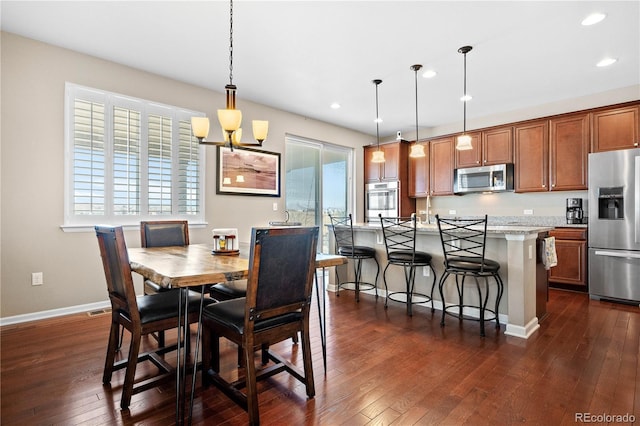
471	157
441	166
615	129
391	165
497	146
571	268
419	174
531	150
569	149
372	171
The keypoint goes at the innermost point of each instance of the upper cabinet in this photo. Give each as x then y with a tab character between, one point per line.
568	152
615	128
531	149
491	146
441	164
419	174
395	164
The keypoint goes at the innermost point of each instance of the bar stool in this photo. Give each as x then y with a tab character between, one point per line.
399	235
464	245
343	232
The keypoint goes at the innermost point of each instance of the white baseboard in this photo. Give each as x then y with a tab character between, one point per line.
52	313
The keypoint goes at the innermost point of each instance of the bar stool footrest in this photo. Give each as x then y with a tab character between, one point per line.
351	285
401	296
467	316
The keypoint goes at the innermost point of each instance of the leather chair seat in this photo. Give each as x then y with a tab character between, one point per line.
356	251
229	290
155	307
473	264
231	314
406	256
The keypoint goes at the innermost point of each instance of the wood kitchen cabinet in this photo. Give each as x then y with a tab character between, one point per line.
491	146
531	155
615	128
441	165
568	152
394	166
419	174
571	249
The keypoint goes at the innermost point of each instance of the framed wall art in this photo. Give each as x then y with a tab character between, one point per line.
245	171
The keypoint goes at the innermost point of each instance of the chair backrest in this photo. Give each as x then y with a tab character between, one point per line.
342	231
399	233
281	272
463	237
164	233
117	270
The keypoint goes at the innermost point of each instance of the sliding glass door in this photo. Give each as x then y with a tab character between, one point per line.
318	182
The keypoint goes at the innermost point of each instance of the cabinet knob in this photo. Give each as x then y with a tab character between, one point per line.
544	186
635	144
553	186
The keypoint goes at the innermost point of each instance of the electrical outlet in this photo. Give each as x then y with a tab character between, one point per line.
37	278
275	207
452	212
528	211
426	271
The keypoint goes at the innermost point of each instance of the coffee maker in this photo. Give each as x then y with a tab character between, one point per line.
575	214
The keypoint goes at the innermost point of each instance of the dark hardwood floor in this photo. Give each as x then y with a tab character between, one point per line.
383	368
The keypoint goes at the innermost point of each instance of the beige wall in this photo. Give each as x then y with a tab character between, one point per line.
33	77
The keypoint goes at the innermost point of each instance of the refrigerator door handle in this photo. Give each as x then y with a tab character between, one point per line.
618	253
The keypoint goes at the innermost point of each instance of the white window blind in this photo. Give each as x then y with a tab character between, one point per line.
128	160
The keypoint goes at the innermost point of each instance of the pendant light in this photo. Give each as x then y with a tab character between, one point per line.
417	150
378	156
464	140
230	118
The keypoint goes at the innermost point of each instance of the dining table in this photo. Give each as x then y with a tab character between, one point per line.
196	265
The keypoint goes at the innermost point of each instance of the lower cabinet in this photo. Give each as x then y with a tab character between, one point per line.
571	249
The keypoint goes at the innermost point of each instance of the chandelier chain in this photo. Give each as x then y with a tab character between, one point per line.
231	42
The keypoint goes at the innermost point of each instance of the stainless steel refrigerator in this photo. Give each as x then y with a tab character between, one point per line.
614	225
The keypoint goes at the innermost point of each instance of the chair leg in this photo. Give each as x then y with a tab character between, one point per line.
127	387
375	283
308	365
433	284
357	269
251	388
409	276
112	348
386	288
443	279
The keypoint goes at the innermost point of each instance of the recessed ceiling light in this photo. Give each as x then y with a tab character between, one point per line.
466	98
606	62
335	105
594	18
429	74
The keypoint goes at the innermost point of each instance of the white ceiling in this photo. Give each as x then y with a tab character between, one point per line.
301	56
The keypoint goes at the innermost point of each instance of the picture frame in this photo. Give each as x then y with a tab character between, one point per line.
246	171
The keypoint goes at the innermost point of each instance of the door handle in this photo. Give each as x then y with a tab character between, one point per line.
624	254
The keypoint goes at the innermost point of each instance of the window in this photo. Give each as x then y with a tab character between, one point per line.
318	183
128	159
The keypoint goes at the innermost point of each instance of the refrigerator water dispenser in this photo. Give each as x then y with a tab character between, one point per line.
611	203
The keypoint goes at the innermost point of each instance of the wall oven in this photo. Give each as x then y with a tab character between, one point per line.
381	198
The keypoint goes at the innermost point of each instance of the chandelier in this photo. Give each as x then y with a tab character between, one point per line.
230	118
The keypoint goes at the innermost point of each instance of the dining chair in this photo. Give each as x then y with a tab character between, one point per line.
162	233
464	247
277	304
399	235
345	245
140	315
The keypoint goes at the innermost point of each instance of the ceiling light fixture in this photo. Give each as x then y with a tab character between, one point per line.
464	140
606	62
429	74
230	118
378	156
417	150
594	18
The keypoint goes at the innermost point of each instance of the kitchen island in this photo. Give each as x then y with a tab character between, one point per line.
514	247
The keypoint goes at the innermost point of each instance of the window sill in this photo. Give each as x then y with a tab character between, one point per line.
130	227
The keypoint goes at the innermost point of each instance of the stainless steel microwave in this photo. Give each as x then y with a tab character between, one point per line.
494	178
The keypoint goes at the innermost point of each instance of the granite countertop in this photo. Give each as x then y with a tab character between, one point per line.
491	229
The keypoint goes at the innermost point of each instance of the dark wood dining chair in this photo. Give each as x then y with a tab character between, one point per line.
140	315
277	304
162	233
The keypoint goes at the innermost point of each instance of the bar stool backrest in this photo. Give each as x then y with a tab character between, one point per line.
463	238
399	234
342	232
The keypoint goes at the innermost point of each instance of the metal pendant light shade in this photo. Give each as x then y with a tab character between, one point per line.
378	156
463	142
417	150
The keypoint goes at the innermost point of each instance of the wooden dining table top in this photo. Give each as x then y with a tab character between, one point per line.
196	265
